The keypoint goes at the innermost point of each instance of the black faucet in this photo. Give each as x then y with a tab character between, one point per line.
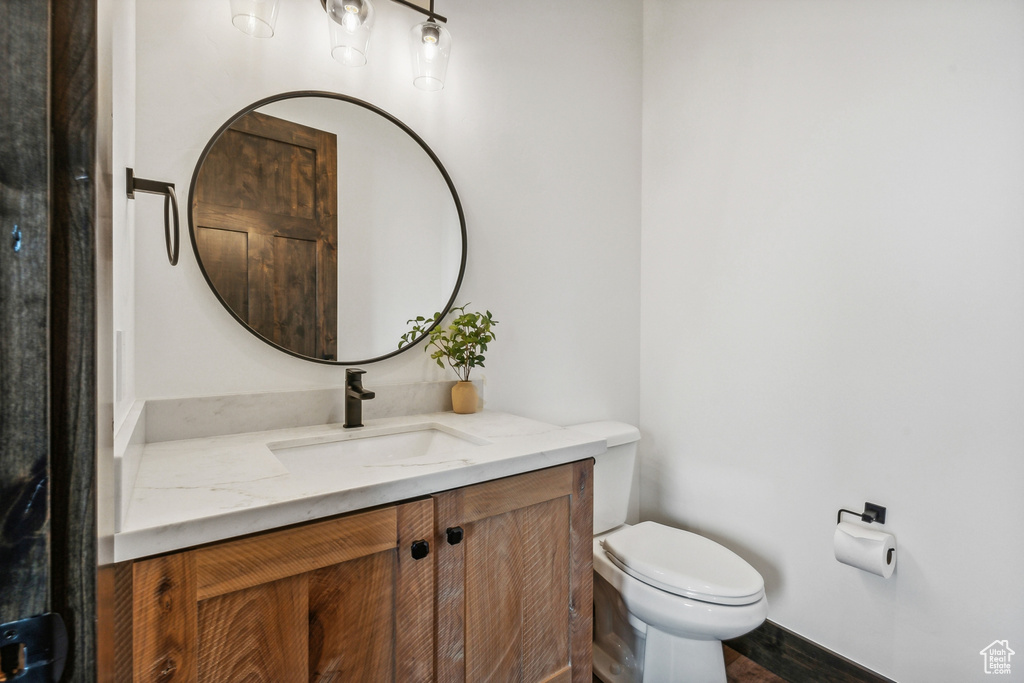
354	397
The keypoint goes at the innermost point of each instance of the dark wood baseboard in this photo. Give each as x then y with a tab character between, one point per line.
799	660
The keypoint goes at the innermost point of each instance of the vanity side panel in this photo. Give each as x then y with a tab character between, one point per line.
123	622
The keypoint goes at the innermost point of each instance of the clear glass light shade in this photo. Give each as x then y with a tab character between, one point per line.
431	45
254	17
350	22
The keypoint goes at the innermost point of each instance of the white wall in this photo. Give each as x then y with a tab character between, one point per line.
117	50
115	308
833	308
540	131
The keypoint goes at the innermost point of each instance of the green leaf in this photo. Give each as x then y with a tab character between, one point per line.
461	343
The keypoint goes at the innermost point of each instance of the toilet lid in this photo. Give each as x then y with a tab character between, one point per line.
685	564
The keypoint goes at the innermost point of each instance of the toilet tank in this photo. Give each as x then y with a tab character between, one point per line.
613	471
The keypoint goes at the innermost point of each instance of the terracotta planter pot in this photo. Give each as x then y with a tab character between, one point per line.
464	398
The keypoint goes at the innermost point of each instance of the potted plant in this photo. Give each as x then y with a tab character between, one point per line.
460	344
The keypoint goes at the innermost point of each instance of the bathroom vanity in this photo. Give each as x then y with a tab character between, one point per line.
256	538
430	547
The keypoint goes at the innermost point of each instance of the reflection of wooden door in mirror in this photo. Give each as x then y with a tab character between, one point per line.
266	207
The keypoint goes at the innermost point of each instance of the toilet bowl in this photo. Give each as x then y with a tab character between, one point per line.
664	598
682	634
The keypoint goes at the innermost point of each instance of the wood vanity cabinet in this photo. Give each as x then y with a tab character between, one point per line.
515	596
344	599
327	601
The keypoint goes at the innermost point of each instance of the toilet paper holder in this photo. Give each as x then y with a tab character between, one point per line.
872	513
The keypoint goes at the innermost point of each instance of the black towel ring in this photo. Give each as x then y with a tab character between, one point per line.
172	238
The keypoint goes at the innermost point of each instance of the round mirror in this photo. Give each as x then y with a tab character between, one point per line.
323	224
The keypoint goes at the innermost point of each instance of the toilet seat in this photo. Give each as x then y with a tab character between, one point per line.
683	564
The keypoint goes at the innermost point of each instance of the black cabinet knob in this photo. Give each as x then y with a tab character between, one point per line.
454	535
420	549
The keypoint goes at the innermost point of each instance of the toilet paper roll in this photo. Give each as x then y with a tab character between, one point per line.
864	548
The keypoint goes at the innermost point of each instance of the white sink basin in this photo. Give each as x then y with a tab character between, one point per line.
426	443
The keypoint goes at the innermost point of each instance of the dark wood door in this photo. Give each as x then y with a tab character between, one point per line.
265	214
515	596
47	320
24	315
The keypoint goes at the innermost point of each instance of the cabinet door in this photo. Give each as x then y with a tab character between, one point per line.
332	601
515	595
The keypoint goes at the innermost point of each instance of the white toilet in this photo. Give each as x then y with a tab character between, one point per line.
664	598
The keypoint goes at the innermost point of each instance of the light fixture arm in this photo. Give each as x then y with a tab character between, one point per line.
431	15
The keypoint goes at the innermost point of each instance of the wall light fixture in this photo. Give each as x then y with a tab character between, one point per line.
254	17
350	23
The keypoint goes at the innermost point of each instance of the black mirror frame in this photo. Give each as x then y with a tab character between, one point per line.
380	112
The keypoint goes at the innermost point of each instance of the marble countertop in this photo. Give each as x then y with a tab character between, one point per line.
194	491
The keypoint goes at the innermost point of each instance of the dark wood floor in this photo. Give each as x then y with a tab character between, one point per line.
739	669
